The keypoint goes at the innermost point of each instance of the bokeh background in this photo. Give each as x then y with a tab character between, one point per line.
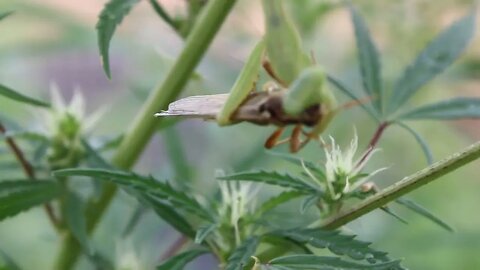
54	41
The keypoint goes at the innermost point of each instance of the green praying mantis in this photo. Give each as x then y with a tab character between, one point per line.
297	95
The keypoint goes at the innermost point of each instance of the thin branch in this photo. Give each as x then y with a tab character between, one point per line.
29	172
374	141
175	247
405	186
164	15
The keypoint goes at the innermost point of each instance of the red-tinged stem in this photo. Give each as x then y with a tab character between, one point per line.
29	172
373	142
175	247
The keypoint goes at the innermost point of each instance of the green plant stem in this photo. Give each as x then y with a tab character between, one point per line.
145	124
405	186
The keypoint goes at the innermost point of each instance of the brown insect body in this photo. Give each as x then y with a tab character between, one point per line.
266	108
259	108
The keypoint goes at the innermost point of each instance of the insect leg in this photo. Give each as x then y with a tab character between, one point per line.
295	140
351	104
267	66
273	140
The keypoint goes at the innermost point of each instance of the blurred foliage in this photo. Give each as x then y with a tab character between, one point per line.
54	41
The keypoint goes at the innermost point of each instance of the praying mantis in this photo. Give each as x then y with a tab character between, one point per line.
297	95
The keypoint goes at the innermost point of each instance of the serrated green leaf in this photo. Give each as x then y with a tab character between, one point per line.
74	214
8	262
26	135
170	215
134	219
94	158
433	60
179	261
9	165
242	255
5	14
424	212
337	243
369	60
111	143
314	168
18	196
101	261
203	232
275	201
272	178
313	262
144	185
452	109
308	202
389	211
39	153
174	23
351	94
176	153
423	143
16	96
111	16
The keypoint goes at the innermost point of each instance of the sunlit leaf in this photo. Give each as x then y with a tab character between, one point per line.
434	59
242	255
423	143
314	262
272	178
111	16
369	60
16	96
179	261
351	94
424	212
74	214
203	232
337	243
145	185
452	109
18	196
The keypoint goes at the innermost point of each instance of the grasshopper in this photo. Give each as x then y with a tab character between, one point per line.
297	95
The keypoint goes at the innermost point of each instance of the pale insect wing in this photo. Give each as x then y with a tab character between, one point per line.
204	106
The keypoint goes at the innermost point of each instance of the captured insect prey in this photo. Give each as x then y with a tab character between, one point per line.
274	105
297	93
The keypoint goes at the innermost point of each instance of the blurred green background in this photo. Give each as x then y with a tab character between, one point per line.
54	41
